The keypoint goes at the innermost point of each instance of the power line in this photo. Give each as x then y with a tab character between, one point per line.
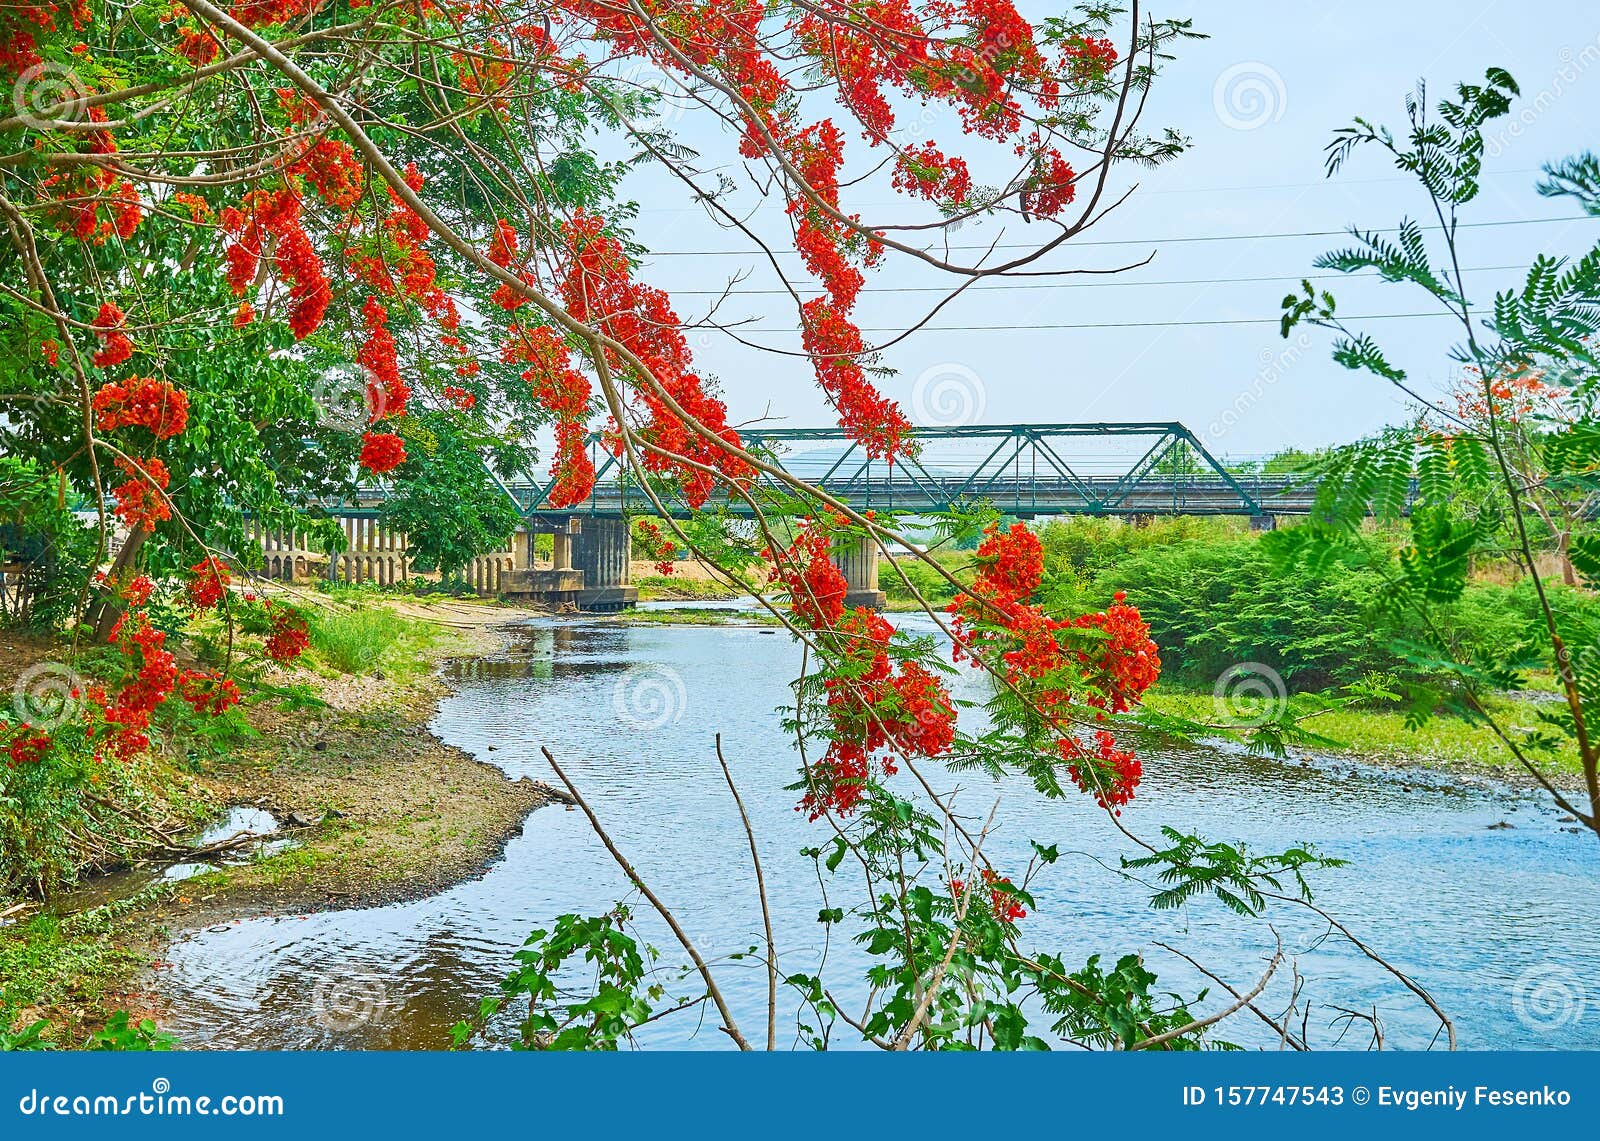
1345	233
1137	324
1144	192
872	290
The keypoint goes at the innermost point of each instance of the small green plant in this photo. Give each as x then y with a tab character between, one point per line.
356	641
122	1033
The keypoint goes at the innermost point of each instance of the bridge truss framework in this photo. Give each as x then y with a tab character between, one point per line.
1027	470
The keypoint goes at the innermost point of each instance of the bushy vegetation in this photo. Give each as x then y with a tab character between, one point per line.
360	640
39	531
1216	595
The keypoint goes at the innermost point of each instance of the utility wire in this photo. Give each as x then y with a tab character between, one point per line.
1345	233
870	290
1141	324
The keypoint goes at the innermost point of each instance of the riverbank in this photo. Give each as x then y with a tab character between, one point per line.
1445	743
376	809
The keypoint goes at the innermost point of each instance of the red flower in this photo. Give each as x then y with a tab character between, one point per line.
141	402
289	636
139	502
382	452
207	692
115	345
208	581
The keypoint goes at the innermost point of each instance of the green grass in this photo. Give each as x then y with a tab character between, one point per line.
657	586
1382	734
50	962
361	640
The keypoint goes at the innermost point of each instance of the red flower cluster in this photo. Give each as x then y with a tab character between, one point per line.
115	345
1050	664
1002	903
139	502
26	747
197	45
1052	187
141	402
598	288
816	587
207	583
659	548
329	164
128	716
837	353
927	173
289	634
382	452
277	213
1108	773
874	704
387	394
207	692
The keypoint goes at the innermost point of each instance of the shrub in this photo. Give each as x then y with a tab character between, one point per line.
355	641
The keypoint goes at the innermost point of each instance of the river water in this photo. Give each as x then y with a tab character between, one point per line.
1501	923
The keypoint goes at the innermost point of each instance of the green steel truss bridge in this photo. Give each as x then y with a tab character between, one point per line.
1143	468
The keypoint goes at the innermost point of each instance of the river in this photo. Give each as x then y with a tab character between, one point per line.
1501	923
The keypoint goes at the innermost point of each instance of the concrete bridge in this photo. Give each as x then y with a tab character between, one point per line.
1130	469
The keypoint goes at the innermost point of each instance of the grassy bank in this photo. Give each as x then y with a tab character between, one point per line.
377	809
1445	741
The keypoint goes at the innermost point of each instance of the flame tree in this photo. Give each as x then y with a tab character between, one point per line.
217	215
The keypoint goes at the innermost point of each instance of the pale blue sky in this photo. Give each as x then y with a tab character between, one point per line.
1315	65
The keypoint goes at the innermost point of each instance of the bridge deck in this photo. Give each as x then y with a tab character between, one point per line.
1141	468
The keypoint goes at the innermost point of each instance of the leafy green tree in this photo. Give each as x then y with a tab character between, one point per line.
1442	483
452	506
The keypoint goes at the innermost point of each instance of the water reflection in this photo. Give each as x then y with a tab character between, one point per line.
1467	908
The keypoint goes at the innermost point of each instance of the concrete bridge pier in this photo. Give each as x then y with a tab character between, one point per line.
857	559
603	552
555	586
1263	522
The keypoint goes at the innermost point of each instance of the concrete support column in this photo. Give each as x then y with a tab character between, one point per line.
603	551
857	560
1263	522
562	551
